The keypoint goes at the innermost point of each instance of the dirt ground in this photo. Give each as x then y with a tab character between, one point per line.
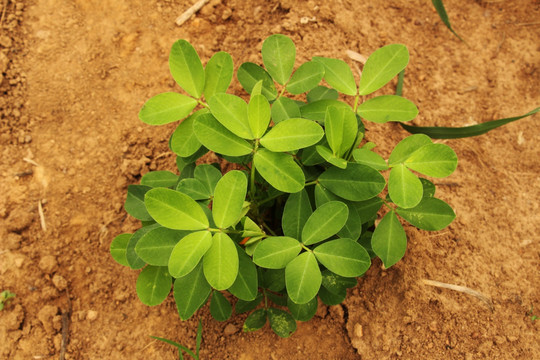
74	74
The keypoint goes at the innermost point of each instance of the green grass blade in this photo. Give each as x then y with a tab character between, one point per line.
439	6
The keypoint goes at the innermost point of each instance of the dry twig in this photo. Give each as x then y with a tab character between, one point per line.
66	316
190	12
356	56
41	216
30	161
462	289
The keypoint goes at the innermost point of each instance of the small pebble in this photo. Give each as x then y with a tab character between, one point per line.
60	282
91	315
48	264
230	329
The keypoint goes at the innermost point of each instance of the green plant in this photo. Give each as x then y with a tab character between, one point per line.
531	314
5	298
182	347
297	218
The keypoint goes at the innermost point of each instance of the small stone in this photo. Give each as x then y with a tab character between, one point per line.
46	316
433	326
91	315
60	282
19	262
48	264
6	41
512	338
358	330
230	329
4	62
499	340
227	13
19	219
13	241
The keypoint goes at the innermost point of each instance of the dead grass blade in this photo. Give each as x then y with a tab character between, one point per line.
462	289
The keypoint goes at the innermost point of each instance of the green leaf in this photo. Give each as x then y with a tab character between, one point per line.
341	126
166	107
338	74
381	66
245	286
153	285
311	157
283	109
344	257
292	134
257	88
303	312
305	78
389	240
188	253
155	246
281	322
295	214
357	182
243	306
367	210
184	142
382	109
258	115
428	188
439	6
209	175
232	112
325	221
186	68
217	138
404	187
159	179
249	74
436	160
335	283
274	279
330	298
134	204
317	110
276	252
328	156
280	170
183	162
303	278
220	307
134	261
229	197
353	227
431	214
175	210
369	158
255	320
406	147
220	262
191	292
118	248
278	54
442	132
218	74
365	241
323	195
322	93
194	188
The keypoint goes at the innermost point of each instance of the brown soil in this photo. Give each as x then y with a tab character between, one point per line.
76	73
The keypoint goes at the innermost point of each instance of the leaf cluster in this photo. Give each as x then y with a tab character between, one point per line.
295	221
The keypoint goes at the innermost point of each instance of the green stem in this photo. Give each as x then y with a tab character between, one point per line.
226	231
203	103
252	173
306	248
356	103
314	182
268	228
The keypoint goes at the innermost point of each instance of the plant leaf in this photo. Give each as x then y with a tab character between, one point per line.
220	263
368	209
209	175
322	93
381	66
341	126
232	112
186	68
160	178
118	248
153	285
284	108
439	6
382	109
243	306
249	74
218	74
404	187
229	197
255	320
155	246
431	214
406	147
323	195
134	204
280	170
281	322
428	188
278	54
369	158
328	156
357	182
292	134
305	78
133	259
245	286
325	221
175	210
194	188
330	298
295	214
317	110
220	307
389	240
311	157
344	257
276	252
335	283
258	115
303	312
338	74
303	278
188	253
191	292
436	160
217	138
353	227
166	107
184	142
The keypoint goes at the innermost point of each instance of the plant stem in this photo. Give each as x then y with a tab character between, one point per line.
356	102
203	103
252	173
268	228
314	182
